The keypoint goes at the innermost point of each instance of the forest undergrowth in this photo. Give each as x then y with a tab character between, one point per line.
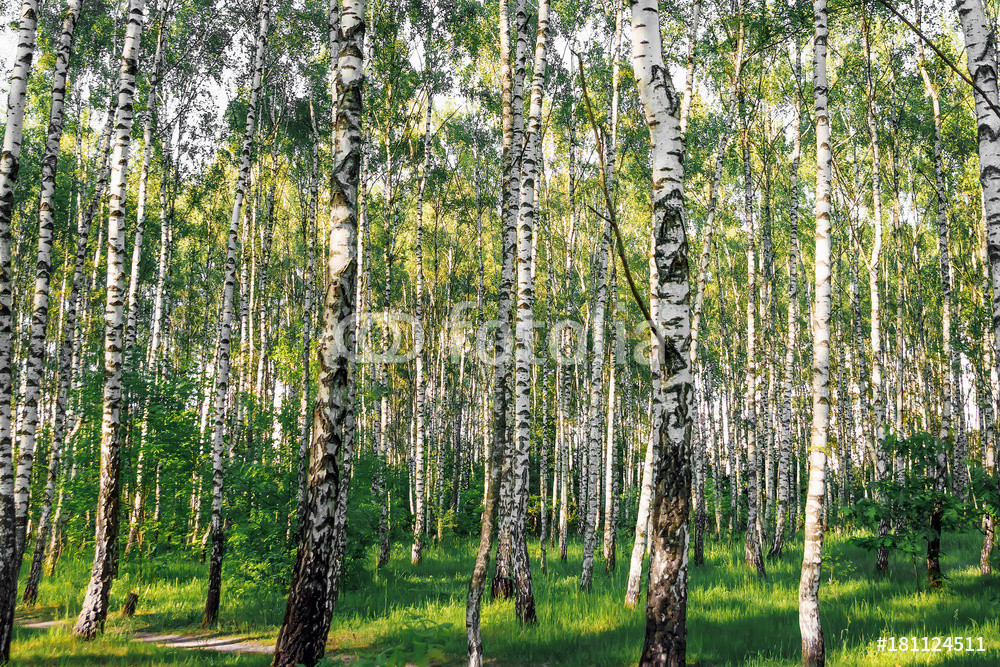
734	618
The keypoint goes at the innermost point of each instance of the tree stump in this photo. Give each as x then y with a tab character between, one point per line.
131	600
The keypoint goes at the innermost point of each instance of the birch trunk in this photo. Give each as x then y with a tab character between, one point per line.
934	577
706	248
302	638
509	165
95	605
524	599
878	400
791	343
752	544
609	163
641	522
222	371
673	402
40	318
502	582
308	242
416	552
813	651
9	164
982	62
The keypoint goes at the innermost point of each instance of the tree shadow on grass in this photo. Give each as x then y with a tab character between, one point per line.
57	646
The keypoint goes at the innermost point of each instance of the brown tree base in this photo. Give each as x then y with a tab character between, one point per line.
131	600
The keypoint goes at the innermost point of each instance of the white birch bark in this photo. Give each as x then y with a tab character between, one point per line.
511	119
813	651
673	402
416	552
95	605
9	164
791	343
524	599
222	370
982	63
40	317
302	637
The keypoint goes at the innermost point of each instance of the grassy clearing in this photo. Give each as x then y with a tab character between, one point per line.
733	618
58	646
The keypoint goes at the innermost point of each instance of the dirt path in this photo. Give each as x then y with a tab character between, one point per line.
209	642
204	642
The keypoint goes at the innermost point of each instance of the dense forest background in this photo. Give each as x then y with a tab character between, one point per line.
496	372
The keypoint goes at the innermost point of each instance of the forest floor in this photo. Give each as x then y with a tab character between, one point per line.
733	617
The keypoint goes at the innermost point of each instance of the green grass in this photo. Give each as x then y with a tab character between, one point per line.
733	618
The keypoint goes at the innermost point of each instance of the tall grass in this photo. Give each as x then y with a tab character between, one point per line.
733	617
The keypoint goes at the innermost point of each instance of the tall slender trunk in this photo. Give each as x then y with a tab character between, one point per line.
309	284
982	62
222	370
673	400
791	343
950	371
302	638
95	605
383	371
9	164
878	402
813	650
752	544
502	429
706	248
610	160
633	587
524	598
689	70
40	307
40	318
595	435
511	137
416	552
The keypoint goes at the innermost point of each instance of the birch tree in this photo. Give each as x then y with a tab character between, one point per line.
95	605
524	598
9	164
302	637
477	582
982	63
222	370
813	650
673	403
777	544
41	307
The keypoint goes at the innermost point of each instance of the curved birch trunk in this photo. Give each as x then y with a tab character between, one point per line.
633	587
302	638
40	317
948	399
95	605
